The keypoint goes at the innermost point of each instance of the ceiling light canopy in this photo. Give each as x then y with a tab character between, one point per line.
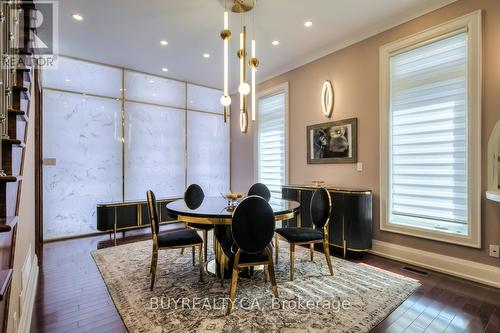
164	42
308	24
276	42
77	16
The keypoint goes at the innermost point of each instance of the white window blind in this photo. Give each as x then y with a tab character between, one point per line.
428	136
271	159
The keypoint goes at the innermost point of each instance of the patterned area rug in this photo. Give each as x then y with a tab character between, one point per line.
356	299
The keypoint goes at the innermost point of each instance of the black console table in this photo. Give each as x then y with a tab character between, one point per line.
350	226
123	216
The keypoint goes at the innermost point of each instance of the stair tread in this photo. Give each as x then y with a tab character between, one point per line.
12	141
24	69
25	52
20	88
17	112
21	115
9	179
8	223
5	280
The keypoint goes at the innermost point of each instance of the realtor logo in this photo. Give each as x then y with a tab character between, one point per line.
32	27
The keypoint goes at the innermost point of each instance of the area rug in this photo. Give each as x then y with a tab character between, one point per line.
355	299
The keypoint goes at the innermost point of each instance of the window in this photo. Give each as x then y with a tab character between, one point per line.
430	126
272	139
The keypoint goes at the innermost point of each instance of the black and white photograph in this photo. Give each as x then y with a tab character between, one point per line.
333	142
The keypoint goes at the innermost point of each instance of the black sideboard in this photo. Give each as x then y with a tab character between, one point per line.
350	226
129	215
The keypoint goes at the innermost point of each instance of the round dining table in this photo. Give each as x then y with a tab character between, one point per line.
218	212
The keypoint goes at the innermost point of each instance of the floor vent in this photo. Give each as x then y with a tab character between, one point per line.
415	271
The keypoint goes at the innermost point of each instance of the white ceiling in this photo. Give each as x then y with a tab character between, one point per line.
128	32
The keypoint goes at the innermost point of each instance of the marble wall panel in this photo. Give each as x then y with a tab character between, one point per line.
155	151
141	87
204	99
84	77
208	152
83	134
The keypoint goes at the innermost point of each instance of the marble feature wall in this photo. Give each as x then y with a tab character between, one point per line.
152	89
84	77
155	151
204	99
208	152
83	134
96	162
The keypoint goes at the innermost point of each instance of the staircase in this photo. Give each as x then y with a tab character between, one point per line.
15	97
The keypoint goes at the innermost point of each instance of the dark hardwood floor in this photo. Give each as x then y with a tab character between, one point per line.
72	296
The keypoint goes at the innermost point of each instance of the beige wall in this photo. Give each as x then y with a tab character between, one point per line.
26	221
354	72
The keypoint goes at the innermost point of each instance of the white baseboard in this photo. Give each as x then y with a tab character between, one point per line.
27	297
485	274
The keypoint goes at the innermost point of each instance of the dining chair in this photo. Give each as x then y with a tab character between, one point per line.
252	228
321	209
194	197
171	239
260	190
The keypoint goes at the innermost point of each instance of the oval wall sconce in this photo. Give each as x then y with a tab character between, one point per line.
327	98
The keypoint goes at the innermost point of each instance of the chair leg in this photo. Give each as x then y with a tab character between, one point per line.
266	273
311	249
201	261
193	255
326	249
234	283
270	270
292	260
154	262
277	247
182	251
222	264
205	242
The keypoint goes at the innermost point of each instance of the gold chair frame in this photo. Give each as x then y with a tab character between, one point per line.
237	266
156	248
325	241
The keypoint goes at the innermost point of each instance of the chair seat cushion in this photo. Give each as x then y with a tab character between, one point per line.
201	226
300	235
184	237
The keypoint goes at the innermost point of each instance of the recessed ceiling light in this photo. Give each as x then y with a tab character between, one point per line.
68	80
164	69
164	42
308	24
151	81
276	42
77	17
206	55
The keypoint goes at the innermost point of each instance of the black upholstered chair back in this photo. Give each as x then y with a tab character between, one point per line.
153	212
253	224
194	196
321	207
261	190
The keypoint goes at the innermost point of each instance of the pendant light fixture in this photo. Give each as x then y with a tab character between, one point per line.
244	89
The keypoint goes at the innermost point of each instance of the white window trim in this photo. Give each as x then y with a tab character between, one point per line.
472	24
283	87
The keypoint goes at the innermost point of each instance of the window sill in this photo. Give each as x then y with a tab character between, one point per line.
440	236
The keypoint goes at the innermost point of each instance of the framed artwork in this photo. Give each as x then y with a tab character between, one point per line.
333	142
